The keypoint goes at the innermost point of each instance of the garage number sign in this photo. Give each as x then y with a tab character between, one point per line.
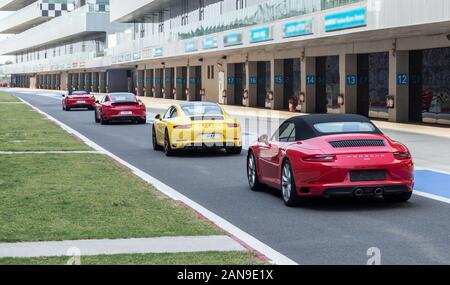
402	79
352	80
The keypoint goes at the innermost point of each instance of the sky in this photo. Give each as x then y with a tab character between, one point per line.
2	37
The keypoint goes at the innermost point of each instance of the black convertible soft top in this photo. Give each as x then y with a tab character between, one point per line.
305	124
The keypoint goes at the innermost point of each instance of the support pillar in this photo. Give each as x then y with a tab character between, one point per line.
348	70
140	82
181	83
308	83
95	82
102	82
81	81
399	85
252	84
168	83
88	81
159	77
194	83
278	81
149	82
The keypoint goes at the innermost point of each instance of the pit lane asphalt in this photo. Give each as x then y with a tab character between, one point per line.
321	232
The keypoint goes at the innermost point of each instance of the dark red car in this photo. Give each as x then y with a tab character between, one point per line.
331	156
78	99
120	107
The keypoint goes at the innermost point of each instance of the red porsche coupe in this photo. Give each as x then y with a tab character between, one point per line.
78	99
120	107
331	156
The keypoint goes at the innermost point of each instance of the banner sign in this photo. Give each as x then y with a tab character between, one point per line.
261	35
346	20
210	42
157	52
298	28
232	40
191	46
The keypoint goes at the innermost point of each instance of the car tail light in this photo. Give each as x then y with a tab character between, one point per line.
233	125
182	127
402	155
320	158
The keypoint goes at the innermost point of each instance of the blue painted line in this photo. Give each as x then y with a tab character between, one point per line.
433	183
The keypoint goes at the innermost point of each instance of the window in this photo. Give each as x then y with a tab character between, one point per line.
142	30
83	47
345	127
241	4
210	71
123	97
161	22
171	113
54	52
201	109
286	133
201	10
71	49
184	12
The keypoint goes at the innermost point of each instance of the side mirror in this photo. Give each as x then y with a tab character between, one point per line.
64	95
97	102
158	117
264	139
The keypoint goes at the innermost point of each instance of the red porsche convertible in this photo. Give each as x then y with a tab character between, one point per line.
120	107
331	156
78	99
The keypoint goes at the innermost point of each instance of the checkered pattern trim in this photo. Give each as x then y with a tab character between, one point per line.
55	9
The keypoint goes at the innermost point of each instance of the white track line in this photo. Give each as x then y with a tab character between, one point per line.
432	196
274	256
48	152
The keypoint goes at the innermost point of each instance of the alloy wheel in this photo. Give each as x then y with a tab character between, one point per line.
286	185
251	170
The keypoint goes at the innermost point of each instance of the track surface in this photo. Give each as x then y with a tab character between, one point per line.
322	232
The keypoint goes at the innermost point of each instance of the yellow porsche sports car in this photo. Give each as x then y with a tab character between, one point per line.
196	125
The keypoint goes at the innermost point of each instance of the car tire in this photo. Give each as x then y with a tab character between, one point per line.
103	121
400	198
288	188
63	107
167	145
252	173
234	150
156	146
97	120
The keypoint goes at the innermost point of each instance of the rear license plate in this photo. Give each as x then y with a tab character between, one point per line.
211	136
81	102
368	175
126	113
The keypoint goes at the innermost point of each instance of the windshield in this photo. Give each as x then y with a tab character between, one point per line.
122	97
200	110
345	127
79	93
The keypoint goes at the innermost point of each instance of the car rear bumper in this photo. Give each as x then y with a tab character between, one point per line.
123	118
350	189
75	104
206	144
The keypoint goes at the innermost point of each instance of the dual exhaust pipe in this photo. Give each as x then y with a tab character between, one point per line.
359	192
